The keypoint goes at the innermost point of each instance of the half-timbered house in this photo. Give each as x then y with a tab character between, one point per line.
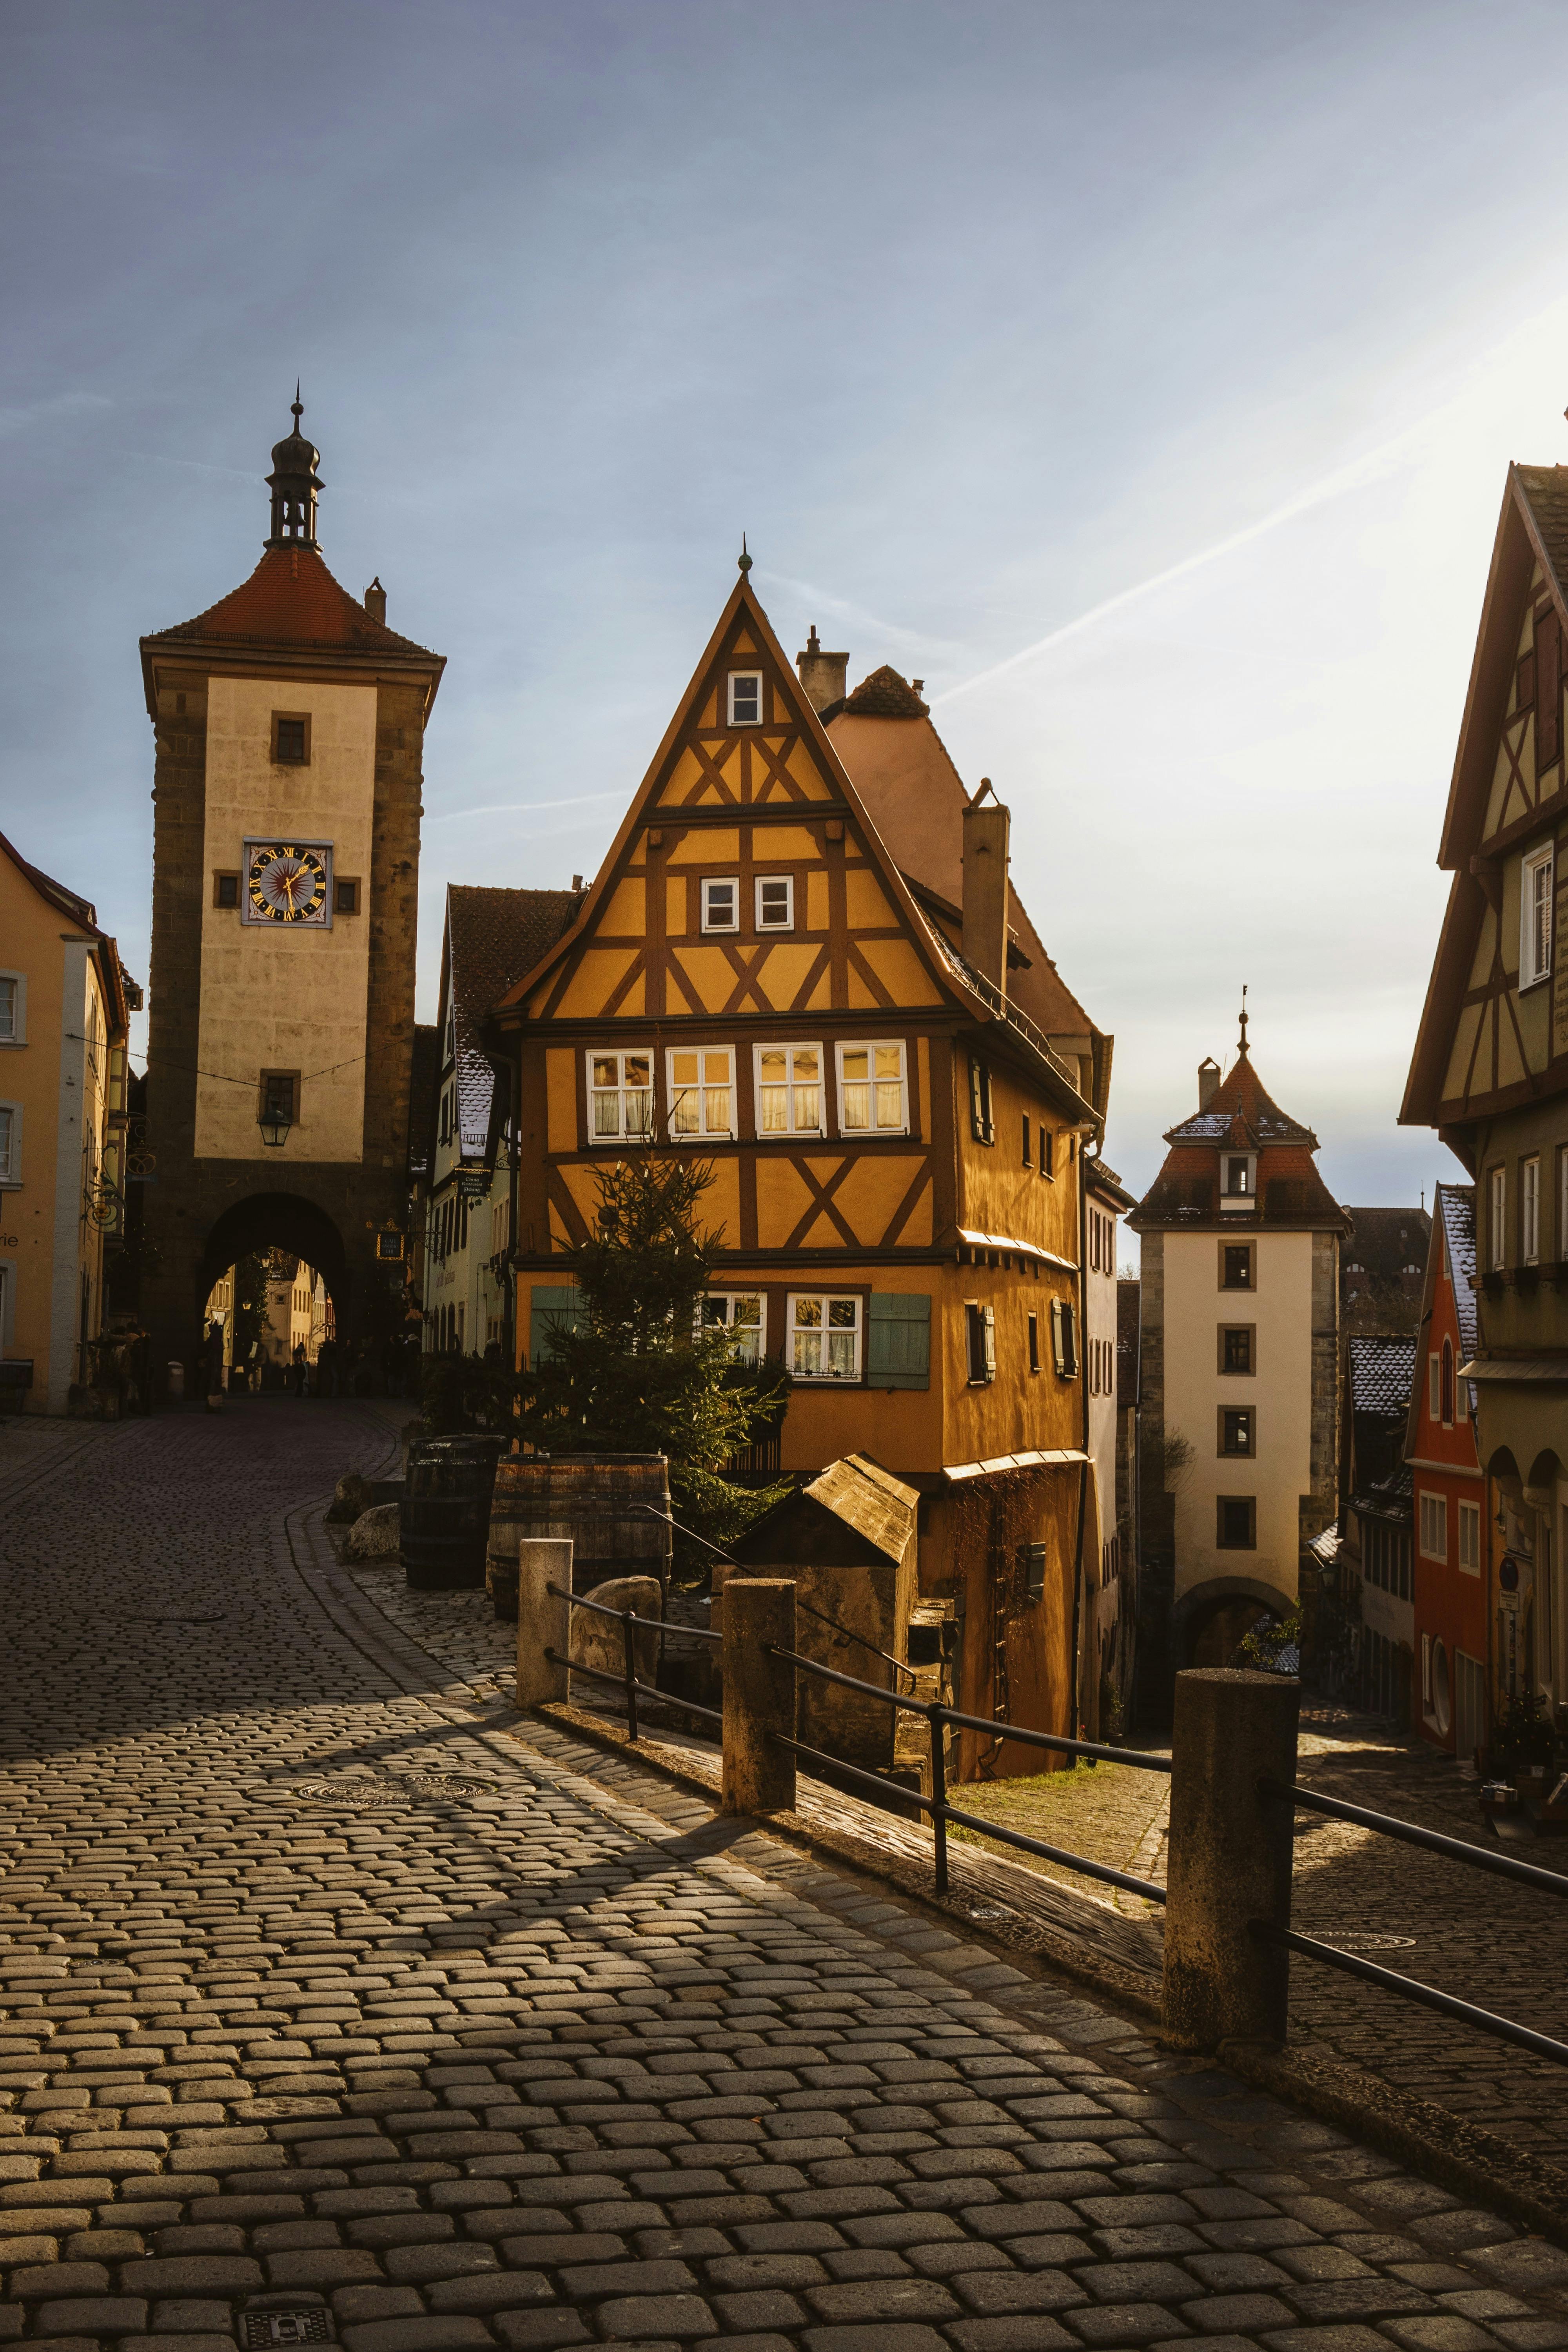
761	975
1490	1067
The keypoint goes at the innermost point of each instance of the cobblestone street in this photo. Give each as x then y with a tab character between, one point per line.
326	1989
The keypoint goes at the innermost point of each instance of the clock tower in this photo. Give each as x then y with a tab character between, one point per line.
289	723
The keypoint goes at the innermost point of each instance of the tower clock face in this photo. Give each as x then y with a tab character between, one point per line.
288	882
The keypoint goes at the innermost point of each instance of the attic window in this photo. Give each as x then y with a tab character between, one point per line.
1535	919
745	697
1240	1175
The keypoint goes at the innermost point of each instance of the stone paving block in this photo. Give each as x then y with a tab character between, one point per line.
905	2337
55	2279
99	2314
1330	2339
425	2334
679	2317
495	2291
1120	2323
764	2308
1442	2332
538	2331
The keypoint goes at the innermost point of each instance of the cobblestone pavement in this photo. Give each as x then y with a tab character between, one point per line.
323	1989
1497	1945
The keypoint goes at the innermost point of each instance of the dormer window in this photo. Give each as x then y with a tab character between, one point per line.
1238	1180
745	697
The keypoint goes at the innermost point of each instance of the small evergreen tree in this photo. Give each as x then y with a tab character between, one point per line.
638	1372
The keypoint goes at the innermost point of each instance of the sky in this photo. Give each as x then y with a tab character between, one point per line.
1140	373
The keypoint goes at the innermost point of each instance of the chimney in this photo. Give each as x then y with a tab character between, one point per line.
1209	1081
375	601
986	833
824	675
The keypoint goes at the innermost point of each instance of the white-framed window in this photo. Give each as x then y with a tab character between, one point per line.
745	697
1434	1526
620	1096
1496	1222
1434	1388
743	1314
1530	1210
824	1336
10	1143
1471	1538
721	902
13	1008
1239	1175
873	1098
1535	917
775	902
788	1080
701	1081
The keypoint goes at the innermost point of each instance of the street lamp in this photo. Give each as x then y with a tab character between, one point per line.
275	1122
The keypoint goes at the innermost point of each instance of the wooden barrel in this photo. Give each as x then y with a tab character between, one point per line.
444	1511
597	1500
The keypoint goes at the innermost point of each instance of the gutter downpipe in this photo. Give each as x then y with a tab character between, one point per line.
1074	1729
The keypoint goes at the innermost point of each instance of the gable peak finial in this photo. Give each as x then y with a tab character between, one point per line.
743	560
1242	1047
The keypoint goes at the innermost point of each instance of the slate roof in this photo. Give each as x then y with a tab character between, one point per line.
1392	1498
1456	1205
1545	490
1382	1370
493	937
885	695
291	599
1387	1242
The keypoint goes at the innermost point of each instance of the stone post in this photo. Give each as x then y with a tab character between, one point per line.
759	1695
543	1621
1230	1857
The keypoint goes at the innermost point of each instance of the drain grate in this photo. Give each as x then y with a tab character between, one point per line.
302	2327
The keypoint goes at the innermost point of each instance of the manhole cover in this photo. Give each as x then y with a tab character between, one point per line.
383	1790
1371	1943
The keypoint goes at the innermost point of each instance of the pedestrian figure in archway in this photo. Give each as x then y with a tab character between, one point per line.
302	1368
214	1365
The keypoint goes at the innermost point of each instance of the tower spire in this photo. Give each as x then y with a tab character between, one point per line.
294	483
1242	1047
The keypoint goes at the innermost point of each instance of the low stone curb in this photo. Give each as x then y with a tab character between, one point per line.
1464	2157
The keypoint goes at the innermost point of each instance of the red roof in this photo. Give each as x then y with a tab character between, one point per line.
291	599
1241	1116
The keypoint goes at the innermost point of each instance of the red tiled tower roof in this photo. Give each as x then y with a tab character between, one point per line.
291	599
1241	1116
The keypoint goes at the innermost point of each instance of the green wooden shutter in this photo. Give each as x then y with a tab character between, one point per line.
898	1341
557	1308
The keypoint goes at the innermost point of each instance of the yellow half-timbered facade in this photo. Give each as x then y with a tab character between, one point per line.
896	1148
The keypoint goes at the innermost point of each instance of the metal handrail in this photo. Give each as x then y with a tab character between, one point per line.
1135	1757
630	1683
937	1718
628	1680
1388	1825
821	1615
1447	2004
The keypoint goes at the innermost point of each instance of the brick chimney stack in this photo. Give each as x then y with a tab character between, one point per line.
1209	1081
375	601
986	849
825	676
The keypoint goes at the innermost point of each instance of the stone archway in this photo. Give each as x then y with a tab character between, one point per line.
1215	1617
282	1221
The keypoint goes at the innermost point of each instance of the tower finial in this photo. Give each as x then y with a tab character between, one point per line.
743	560
1243	1045
294	483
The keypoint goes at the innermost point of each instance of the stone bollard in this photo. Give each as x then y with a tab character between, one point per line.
1230	1857
759	1696
543	1620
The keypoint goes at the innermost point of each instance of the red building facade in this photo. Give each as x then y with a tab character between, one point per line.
1450	1492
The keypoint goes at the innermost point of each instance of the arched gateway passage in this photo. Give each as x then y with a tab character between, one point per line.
276	1221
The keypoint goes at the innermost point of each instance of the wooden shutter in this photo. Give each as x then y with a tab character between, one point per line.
1548	692
1063	1338
898	1341
551	1308
990	1343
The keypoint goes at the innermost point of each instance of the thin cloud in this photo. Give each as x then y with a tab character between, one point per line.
47	411
520	808
857	617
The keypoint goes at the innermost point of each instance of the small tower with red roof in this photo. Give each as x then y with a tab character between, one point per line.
289	723
1240	1360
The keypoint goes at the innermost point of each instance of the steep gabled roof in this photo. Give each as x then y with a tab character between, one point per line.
1456	1206
1380	1371
944	964
76	910
493	937
915	796
291	599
